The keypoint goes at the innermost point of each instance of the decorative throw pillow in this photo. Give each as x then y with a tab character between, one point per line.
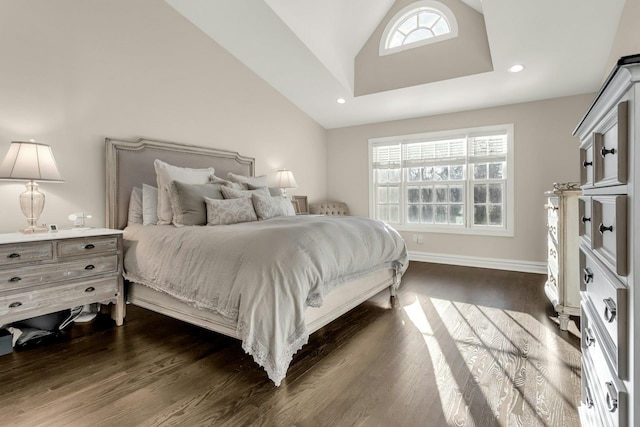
267	206
250	182
149	205
230	211
165	174
231	193
187	202
227	183
135	207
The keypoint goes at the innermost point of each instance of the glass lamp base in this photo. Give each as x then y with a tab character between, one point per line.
32	204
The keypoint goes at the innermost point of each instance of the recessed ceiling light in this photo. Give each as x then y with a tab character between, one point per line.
516	68
341	100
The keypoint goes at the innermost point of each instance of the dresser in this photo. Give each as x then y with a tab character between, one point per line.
609	214
563	279
47	272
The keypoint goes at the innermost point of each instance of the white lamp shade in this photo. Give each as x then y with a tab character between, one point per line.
285	179
30	161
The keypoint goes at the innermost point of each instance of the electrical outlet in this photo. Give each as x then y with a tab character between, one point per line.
415	238
419	239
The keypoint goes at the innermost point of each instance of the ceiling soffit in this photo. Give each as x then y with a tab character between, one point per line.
461	56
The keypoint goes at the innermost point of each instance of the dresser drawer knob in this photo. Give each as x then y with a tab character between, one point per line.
586	164
89	246
588	275
589	339
13	256
604	151
602	228
15	304
588	399
15	279
90	267
612	397
584	219
90	289
610	310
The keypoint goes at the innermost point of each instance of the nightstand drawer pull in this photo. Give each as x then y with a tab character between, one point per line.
609	309
90	267
584	219
612	397
588	275
90	289
602	228
13	256
586	164
15	279
587	397
604	151
89	246
15	304
588	337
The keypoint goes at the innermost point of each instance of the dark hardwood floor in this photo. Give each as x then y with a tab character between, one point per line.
460	347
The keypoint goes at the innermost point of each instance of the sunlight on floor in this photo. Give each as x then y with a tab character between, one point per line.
506	367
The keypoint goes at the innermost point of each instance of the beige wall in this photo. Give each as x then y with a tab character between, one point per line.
627	41
545	152
76	71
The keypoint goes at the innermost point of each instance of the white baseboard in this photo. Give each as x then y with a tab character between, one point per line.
471	261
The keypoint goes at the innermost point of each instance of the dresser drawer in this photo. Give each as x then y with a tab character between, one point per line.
552	228
610	149
609	231
25	252
586	163
584	222
552	253
607	298
87	246
50	273
594	339
23	304
603	395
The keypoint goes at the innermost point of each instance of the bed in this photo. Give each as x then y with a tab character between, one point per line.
131	163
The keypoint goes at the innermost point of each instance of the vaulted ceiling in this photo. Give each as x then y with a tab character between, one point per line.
306	50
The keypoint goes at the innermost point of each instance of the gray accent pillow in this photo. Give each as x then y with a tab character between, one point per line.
135	207
229	211
187	202
250	182
267	206
231	193
227	183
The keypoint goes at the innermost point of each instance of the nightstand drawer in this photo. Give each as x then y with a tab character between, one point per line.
25	252
552	252
553	205
87	246
607	298
50	273
609	231
21	305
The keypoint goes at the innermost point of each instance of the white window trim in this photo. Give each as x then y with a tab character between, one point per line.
507	231
402	14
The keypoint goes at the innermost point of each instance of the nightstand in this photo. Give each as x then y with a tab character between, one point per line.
47	272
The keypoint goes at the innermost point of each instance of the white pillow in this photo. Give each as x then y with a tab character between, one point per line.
149	205
229	211
267	206
232	193
135	207
249	182
165	174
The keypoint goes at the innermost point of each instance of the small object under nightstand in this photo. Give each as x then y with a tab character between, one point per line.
44	273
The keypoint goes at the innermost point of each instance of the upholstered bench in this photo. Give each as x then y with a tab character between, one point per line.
329	208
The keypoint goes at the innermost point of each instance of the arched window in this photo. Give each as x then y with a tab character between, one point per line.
418	24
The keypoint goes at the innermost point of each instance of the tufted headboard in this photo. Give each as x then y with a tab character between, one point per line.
130	164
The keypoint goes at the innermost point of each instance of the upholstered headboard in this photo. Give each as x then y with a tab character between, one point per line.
130	164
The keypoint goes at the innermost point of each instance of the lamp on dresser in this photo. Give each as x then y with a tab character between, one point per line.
284	180
31	162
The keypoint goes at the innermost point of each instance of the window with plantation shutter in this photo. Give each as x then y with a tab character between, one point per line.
457	181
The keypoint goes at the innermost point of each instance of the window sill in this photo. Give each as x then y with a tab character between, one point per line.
451	230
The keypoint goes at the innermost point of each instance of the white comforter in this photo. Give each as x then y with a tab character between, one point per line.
263	274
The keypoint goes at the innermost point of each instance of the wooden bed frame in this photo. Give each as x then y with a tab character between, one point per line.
130	164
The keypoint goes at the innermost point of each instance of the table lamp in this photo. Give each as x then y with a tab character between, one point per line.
284	180
31	162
